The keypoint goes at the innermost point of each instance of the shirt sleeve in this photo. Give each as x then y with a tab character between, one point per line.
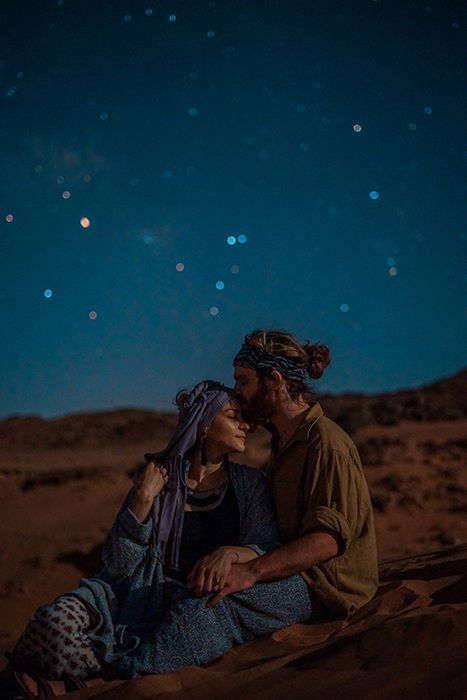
127	543
333	496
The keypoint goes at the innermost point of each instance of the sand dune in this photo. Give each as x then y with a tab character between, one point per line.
62	481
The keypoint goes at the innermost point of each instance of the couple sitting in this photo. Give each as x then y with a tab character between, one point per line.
195	562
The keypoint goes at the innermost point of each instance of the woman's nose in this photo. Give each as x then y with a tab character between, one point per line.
244	426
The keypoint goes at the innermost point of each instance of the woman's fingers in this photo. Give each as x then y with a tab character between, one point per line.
210	581
199	584
209	574
223	577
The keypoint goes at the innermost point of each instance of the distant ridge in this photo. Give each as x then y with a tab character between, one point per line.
445	399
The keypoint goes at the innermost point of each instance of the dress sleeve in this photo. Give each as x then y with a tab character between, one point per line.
259	529
127	543
334	494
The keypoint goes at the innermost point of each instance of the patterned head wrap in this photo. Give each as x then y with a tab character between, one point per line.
202	404
249	356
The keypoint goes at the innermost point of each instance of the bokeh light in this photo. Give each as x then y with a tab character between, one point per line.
242	238
66	194
374	194
220	285
428	110
172	18
412	126
393	271
210	34
234	269
344	308
84	221
192	111
9	218
92	315
47	293
179	267
390	262
214	311
357	128
231	240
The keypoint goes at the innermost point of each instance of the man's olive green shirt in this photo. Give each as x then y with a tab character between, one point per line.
318	483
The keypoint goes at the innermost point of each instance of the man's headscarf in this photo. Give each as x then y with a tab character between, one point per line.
254	358
199	409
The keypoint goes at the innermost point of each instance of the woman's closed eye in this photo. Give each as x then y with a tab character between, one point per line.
236	417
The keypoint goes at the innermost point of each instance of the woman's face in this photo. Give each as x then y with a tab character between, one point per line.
227	432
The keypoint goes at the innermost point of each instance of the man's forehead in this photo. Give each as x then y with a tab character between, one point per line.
240	371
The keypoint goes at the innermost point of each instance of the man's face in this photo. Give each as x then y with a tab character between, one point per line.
255	394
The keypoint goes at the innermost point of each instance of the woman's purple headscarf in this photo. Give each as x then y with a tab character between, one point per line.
202	404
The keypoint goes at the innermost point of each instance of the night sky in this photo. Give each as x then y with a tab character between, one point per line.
174	175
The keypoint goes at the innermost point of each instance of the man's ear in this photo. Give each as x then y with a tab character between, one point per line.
276	379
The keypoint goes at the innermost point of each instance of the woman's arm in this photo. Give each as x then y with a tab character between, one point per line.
130	535
258	527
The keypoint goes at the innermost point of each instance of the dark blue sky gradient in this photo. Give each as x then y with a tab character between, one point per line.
233	118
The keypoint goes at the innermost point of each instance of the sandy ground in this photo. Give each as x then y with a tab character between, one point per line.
61	483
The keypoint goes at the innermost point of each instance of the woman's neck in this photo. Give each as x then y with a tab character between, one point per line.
206	473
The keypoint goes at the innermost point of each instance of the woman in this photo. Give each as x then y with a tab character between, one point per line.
191	515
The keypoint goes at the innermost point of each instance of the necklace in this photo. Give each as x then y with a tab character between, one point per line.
206	499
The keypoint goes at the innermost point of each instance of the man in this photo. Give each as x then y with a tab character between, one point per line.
322	501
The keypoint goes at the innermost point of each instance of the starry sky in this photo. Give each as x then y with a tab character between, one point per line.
178	173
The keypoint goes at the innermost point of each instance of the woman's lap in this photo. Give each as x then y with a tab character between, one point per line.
192	634
188	634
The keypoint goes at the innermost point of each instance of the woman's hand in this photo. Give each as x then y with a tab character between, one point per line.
210	572
150	481
148	484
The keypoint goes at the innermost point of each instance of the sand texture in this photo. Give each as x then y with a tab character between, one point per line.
62	481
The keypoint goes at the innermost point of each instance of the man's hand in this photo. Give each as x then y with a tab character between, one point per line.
292	558
238	579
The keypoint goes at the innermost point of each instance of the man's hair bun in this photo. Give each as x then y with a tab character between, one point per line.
319	358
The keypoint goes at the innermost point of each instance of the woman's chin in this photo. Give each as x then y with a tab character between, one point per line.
240	447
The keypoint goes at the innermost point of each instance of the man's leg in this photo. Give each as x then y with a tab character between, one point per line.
192	634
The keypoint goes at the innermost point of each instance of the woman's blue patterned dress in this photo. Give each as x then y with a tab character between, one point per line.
147	624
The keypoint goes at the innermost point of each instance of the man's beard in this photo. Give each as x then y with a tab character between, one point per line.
259	409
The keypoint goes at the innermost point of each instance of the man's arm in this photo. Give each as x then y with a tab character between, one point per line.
298	555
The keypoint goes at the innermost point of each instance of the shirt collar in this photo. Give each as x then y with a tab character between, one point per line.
303	430
311	416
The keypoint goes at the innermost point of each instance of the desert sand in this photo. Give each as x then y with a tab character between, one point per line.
62	481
